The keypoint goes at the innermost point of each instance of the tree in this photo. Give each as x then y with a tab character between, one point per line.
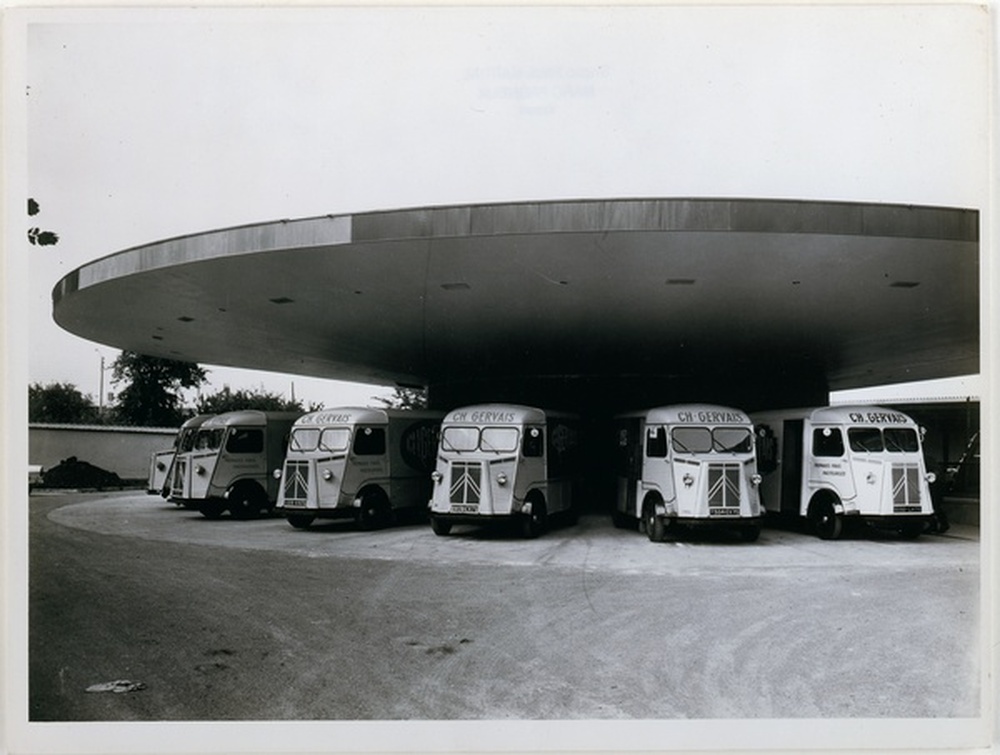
228	400
152	397
60	403
36	235
405	398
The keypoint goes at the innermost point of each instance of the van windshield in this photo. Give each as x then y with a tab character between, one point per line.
702	440
732	440
892	439
691	440
304	439
335	439
187	440
496	439
208	440
903	439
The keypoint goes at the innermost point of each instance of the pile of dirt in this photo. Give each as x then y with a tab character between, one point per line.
73	473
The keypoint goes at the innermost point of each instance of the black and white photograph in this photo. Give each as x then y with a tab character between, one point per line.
481	378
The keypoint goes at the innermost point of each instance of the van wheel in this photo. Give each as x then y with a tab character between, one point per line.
374	513
656	528
440	527
827	522
750	534
911	530
246	502
533	525
300	521
212	509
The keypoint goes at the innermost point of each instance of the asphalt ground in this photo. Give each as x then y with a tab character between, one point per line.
254	620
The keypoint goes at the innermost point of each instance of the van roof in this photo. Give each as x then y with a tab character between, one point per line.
196	421
254	417
694	413
504	414
350	415
847	414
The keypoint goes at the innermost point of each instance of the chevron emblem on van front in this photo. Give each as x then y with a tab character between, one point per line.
466	483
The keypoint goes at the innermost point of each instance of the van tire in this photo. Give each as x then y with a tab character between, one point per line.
534	524
750	533
212	508
827	523
374	513
246	501
440	527
911	530
656	528
300	521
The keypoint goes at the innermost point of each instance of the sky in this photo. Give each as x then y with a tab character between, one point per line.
146	124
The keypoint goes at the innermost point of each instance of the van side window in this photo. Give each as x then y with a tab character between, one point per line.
369	441
244	440
828	441
534	441
656	442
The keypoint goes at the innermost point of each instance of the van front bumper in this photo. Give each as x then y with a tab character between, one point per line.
717	521
482	519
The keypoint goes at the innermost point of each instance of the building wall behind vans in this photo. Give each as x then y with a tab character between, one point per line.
122	450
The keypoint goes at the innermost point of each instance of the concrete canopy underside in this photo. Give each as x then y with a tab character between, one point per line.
616	303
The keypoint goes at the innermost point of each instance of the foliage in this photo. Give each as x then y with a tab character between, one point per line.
61	403
405	398
36	235
151	397
228	400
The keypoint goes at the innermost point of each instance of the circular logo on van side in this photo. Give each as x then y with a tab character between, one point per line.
419	445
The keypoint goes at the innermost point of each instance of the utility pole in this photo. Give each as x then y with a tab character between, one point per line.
100	397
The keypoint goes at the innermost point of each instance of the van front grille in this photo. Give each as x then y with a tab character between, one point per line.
466	482
905	488
724	489
296	481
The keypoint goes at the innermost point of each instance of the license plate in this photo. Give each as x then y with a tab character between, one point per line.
464	508
724	512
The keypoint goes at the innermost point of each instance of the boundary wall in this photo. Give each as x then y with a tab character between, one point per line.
122	450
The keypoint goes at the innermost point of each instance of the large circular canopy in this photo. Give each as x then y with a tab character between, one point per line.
784	298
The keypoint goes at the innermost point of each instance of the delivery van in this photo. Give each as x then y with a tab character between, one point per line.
229	468
360	463
161	463
687	465
832	464
505	463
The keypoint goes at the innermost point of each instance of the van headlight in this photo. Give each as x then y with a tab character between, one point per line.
437	476
755	479
501	479
327	475
688	479
199	469
276	474
930	477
